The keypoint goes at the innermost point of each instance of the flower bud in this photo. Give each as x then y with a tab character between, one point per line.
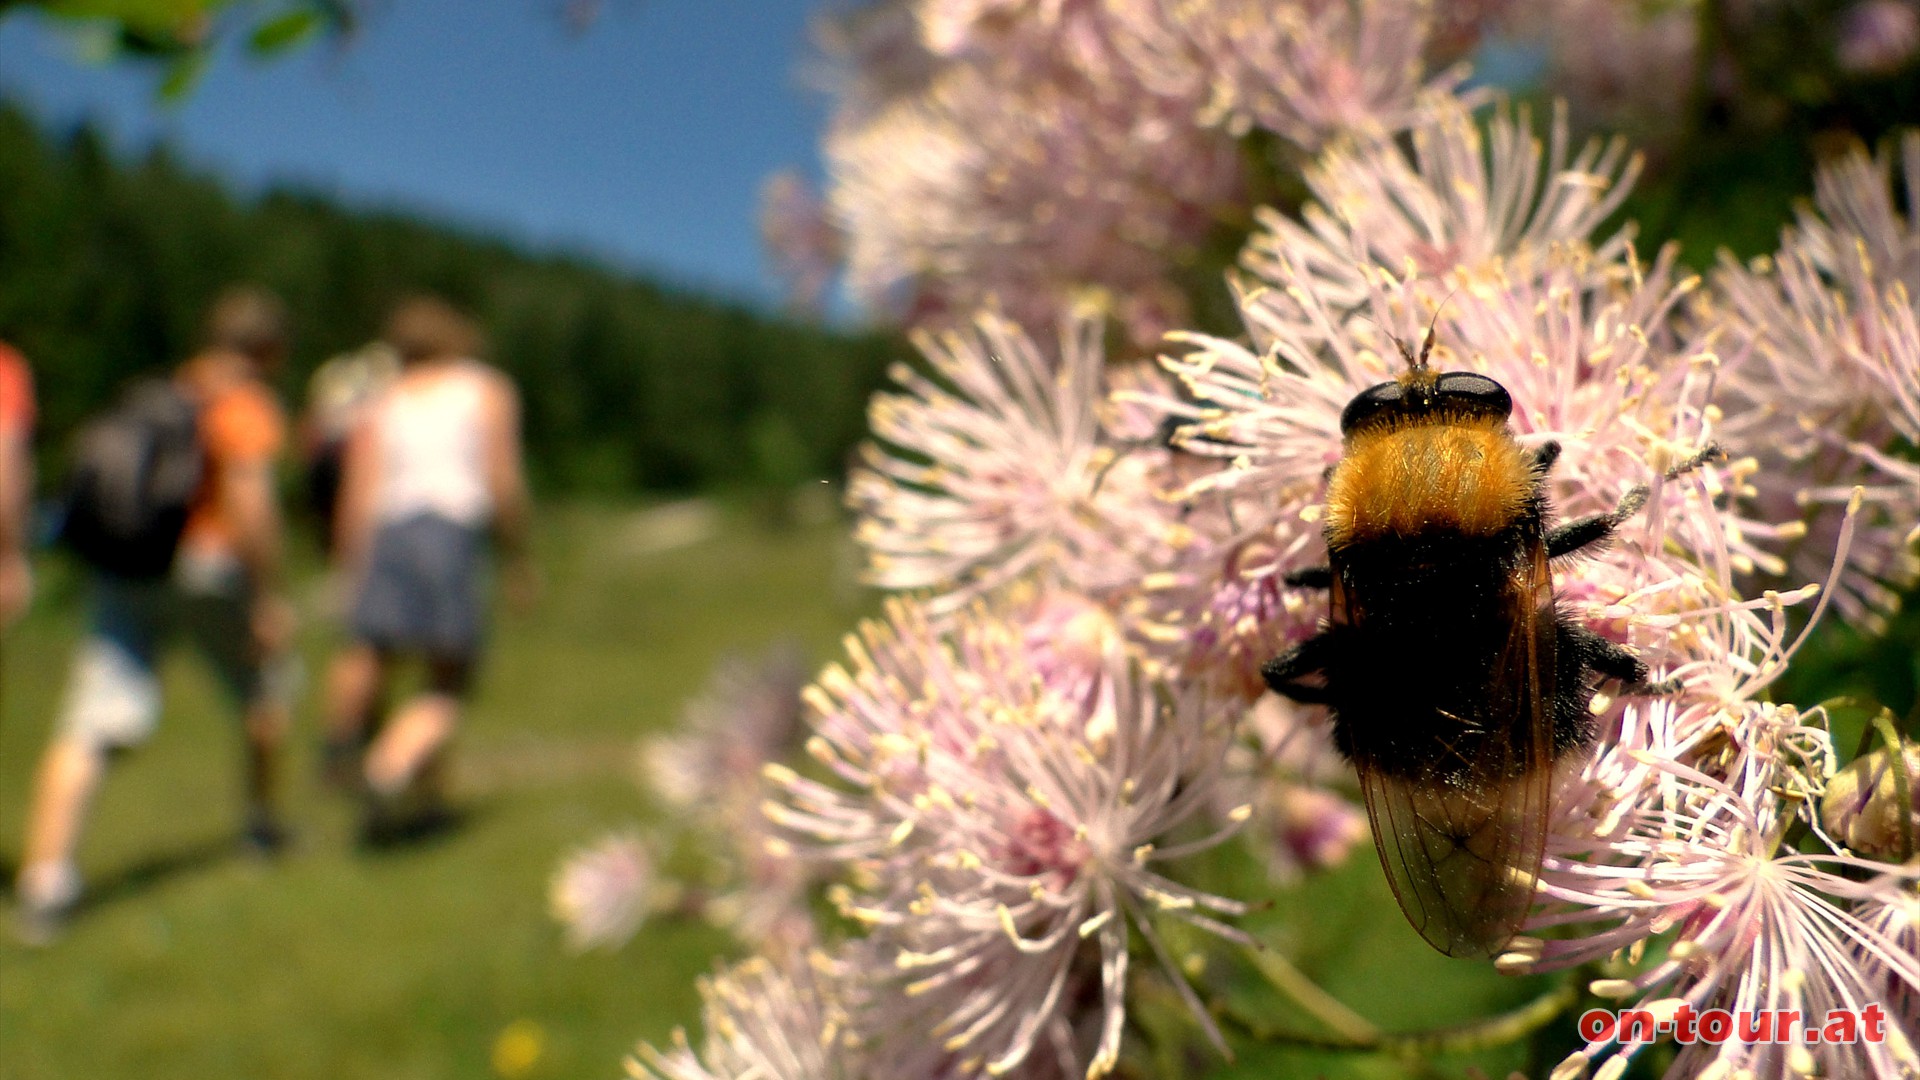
1862	806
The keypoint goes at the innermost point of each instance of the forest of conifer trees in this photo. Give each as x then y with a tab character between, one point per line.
106	264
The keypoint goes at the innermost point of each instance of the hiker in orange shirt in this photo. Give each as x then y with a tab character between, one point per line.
16	482
224	593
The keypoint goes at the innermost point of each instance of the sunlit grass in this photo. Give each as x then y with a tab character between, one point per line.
193	962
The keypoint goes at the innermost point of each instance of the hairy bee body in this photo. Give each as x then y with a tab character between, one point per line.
1435	532
1454	680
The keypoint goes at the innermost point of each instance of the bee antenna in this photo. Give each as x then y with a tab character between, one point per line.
1405	353
1426	343
1419	362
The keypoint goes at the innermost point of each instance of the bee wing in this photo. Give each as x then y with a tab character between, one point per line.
1462	843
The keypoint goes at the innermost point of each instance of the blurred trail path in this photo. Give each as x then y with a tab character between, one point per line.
526	760
663	528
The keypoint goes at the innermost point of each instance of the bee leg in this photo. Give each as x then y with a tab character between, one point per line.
1709	452
1603	656
1582	532
1615	662
1284	672
1310	577
1544	456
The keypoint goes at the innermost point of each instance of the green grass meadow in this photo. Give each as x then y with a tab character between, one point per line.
191	962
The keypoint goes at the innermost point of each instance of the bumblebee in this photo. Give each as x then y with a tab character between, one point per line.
1454	679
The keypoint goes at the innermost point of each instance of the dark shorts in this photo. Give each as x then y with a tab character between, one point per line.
424	591
113	691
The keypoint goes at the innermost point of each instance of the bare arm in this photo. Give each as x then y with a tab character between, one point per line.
16	495
506	470
354	514
252	507
16	489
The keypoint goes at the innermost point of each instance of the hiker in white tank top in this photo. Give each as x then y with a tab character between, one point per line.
432	453
434	467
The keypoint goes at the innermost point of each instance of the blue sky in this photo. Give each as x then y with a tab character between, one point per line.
642	141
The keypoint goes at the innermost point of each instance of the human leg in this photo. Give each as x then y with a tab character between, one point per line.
63	788
421	597
112	701
418	733
217	613
355	680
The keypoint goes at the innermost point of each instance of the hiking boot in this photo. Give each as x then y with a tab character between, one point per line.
264	837
382	823
46	902
39	925
401	821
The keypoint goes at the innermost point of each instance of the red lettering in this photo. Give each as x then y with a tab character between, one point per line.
1757	1027
1683	1021
1876	1021
1841	1027
1638	1026
1596	1025
1716	1026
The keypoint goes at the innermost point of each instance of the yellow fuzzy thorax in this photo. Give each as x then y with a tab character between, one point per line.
1465	475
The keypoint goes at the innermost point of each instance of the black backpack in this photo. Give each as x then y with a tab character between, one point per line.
135	471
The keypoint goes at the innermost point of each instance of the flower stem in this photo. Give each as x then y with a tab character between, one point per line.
1348	1025
1902	784
1508	1027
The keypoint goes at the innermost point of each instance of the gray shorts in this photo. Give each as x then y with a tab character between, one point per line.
424	589
113	690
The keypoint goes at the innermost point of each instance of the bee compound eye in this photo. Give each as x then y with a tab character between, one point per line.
1370	404
1473	394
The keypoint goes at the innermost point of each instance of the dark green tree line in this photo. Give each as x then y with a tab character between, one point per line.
106	265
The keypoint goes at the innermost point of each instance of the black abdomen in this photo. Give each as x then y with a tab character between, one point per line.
1447	651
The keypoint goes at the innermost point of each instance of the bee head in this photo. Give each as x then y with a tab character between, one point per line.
1420	396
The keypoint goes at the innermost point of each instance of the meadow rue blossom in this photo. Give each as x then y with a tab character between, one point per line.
1064	36
708	771
1032	149
1003	832
998	184
1892	909
1300	790
1307	828
747	714
1306	70
871	56
1754	927
1822	375
994	467
763	1020
1673	825
1454	194
1584	347
602	892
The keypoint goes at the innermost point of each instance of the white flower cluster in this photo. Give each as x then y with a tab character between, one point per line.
1092	558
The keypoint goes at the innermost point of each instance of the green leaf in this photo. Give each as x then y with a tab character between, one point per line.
284	31
183	74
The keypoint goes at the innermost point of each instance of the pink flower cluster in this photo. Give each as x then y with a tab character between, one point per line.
1090	555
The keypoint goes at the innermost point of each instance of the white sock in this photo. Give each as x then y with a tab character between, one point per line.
53	883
